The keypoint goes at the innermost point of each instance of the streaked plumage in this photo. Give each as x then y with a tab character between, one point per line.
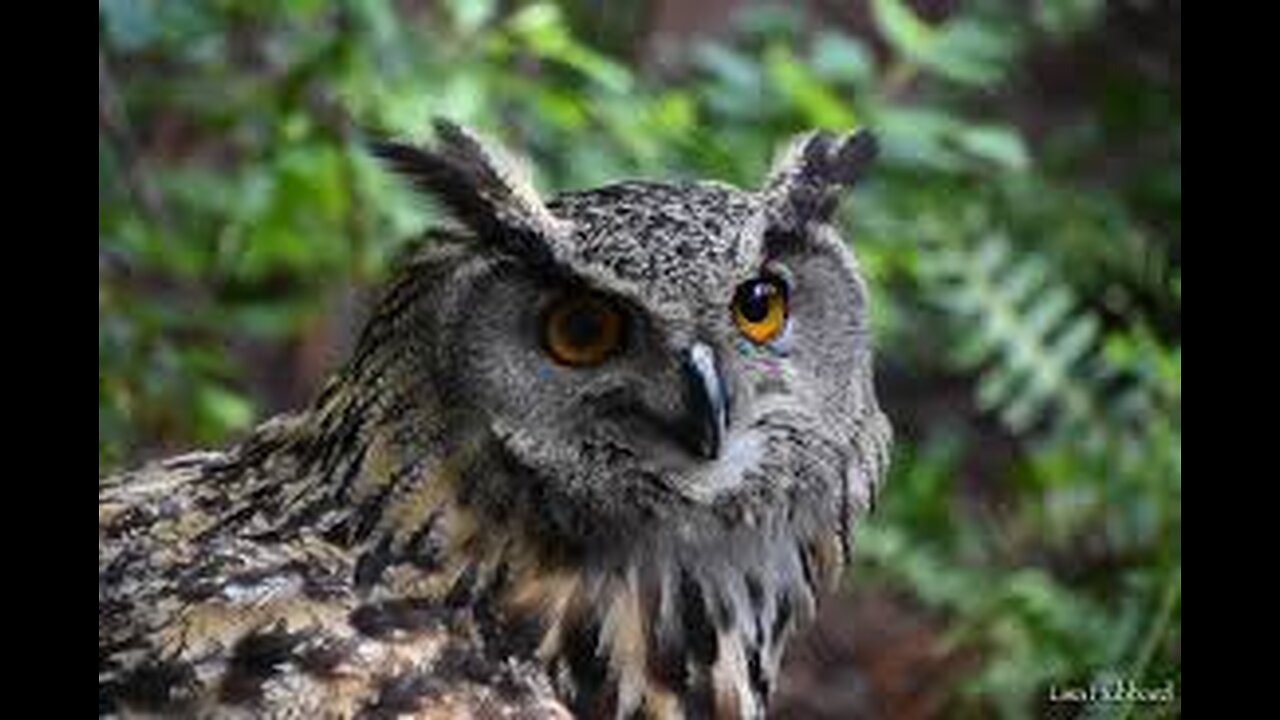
461	524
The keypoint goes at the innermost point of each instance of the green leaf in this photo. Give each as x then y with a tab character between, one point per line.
963	50
1064	18
221	410
841	58
470	15
817	104
735	87
728	66
904	30
675	113
543	28
970	53
999	144
918	137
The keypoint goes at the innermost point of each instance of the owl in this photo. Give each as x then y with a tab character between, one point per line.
597	455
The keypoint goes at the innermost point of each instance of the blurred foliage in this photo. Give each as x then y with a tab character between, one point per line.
1027	253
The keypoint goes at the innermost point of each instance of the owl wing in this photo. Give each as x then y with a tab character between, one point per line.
194	622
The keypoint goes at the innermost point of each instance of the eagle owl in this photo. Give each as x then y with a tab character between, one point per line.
596	455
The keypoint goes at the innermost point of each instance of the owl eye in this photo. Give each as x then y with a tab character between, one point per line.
582	330
760	308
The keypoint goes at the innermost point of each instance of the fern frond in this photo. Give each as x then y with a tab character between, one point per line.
1024	331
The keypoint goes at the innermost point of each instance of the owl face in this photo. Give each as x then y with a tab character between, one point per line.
682	353
650	358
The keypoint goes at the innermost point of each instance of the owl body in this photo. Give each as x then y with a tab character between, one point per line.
598	455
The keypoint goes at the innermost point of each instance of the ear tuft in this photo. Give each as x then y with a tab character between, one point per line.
809	176
479	183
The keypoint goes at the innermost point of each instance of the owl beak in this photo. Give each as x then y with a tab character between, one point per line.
708	404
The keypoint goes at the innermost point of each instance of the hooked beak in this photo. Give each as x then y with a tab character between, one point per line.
707	402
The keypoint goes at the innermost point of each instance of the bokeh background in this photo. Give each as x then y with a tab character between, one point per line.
1022	235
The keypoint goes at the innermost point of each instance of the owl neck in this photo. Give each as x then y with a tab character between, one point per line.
685	616
676	630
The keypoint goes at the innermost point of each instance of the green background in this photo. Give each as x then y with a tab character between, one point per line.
1022	236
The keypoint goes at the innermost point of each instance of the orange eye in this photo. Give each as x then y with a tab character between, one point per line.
582	330
760	309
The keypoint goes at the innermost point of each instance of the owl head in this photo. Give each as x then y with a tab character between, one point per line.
652	401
